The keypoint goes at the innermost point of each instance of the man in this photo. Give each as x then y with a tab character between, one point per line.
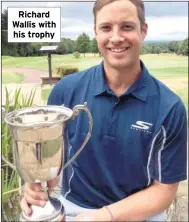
137	153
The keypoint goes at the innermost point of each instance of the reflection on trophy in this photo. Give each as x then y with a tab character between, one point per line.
40	141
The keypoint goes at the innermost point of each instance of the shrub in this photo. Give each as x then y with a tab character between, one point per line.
76	55
65	70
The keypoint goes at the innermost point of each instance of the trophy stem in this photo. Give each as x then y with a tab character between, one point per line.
44	186
53	210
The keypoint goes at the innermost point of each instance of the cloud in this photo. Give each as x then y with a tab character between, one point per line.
167	20
78	10
167	28
75	31
56	4
159	9
69	29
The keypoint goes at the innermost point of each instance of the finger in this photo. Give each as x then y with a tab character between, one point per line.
32	201
35	192
34	186
25	207
53	183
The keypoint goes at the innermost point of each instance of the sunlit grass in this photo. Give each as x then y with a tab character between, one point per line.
45	93
157	64
12	77
183	94
161	66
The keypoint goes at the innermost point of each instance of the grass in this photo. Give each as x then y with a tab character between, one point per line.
12	77
169	71
174	65
183	94
45	94
161	66
41	63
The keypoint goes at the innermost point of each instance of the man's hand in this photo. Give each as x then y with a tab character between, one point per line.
34	195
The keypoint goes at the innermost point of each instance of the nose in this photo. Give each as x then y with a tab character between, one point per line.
116	36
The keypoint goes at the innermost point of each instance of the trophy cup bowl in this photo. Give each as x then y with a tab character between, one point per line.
39	143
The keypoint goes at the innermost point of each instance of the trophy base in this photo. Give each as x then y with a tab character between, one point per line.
47	213
59	218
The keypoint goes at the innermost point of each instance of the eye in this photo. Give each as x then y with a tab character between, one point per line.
105	28
128	27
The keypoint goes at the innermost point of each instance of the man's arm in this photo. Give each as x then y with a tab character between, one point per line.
137	207
143	204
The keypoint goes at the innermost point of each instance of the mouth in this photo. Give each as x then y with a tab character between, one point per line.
119	50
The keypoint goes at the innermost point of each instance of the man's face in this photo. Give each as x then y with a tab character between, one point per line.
119	34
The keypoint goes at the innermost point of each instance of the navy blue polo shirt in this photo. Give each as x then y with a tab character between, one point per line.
136	138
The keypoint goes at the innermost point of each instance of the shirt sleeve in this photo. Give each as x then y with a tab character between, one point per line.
170	158
56	96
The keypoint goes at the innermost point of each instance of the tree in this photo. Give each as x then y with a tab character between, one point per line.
4	33
94	46
70	44
13	49
66	46
183	47
4	20
173	46
145	49
83	43
20	49
35	48
63	47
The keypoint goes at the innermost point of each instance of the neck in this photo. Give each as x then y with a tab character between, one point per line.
119	80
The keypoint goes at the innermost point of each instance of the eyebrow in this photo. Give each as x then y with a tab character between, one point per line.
124	22
105	23
129	23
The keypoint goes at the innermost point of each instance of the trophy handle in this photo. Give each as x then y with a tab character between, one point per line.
76	110
7	162
3	113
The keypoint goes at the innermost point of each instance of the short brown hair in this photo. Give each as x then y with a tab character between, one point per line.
99	4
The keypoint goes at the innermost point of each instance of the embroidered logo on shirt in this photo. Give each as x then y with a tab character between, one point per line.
141	126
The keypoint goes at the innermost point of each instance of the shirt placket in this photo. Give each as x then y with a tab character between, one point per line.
113	117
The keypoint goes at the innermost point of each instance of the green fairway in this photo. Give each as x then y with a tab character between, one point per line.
166	65
12	77
41	62
170	71
177	85
169	68
183	93
158	65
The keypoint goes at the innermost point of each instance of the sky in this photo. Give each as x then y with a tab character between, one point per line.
167	21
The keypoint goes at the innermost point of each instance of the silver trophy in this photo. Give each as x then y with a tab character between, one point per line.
39	144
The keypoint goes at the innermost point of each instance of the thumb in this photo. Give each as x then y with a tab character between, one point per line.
53	183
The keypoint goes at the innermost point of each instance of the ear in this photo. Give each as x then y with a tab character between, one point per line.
144	31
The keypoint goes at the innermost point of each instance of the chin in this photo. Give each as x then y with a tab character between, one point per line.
120	65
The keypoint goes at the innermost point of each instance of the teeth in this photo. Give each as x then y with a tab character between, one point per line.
118	50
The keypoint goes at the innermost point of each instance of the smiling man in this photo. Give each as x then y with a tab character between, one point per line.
131	167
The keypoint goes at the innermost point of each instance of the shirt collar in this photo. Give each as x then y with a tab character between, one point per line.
138	89
100	83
